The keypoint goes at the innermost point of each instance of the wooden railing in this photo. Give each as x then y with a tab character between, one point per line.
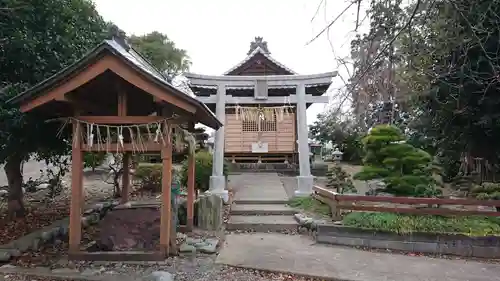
406	205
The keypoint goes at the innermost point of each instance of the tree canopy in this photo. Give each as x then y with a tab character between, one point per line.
430	68
40	38
162	53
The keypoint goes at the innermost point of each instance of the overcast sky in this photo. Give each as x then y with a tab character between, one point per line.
217	33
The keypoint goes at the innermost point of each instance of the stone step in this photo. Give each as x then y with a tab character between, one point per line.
260	201
261	223
261	209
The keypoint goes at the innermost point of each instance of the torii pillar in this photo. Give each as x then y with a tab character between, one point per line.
305	180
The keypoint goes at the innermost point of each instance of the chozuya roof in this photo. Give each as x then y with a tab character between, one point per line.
131	58
259	46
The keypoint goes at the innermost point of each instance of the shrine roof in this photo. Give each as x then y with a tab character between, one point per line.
132	59
267	55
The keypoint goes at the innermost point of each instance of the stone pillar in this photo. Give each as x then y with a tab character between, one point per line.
218	180
305	180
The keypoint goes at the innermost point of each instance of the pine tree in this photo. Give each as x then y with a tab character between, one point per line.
405	170
339	180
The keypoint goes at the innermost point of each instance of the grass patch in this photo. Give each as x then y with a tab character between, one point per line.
404	224
310	204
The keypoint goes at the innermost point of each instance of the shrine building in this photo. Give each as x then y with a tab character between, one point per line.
262	104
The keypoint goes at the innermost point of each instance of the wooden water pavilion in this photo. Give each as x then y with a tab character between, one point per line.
113	97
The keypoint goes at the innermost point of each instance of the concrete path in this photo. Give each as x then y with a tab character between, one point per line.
300	255
260	204
261	187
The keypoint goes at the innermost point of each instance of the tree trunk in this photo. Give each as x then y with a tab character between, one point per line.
15	179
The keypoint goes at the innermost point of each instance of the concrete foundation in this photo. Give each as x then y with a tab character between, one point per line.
218	187
304	186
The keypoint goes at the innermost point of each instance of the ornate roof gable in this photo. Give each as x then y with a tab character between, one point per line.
259	62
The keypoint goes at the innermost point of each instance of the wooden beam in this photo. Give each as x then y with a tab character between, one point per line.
118	120
166	215
75	224
127	147
191	191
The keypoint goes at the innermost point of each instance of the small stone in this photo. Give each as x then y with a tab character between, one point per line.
186	248
95	218
41	269
85	221
160	276
210	246
8	266
298	217
90	272
56	231
23	244
5	255
62	262
181	236
43	186
194	241
36	244
15	253
64	230
65	271
46	236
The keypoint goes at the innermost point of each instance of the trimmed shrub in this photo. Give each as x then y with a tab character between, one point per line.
149	176
203	170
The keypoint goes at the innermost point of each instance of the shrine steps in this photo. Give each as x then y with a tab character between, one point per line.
257	201
260	204
262	209
261	223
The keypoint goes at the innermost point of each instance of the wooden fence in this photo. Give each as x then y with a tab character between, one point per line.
406	205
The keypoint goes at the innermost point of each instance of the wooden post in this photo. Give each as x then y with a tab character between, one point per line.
125	177
166	183
336	216
75	217
191	190
122	111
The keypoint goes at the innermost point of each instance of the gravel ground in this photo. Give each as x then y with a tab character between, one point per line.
200	268
185	268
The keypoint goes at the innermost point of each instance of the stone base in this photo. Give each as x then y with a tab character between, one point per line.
304	186
218	187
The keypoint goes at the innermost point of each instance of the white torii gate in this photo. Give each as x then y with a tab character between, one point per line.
305	180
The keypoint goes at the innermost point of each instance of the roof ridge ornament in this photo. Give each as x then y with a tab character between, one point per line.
119	36
259	43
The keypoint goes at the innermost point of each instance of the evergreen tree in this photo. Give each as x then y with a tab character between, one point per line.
405	170
339	180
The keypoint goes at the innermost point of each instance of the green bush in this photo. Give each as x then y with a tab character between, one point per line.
149	176
487	191
405	224
203	170
93	159
405	170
